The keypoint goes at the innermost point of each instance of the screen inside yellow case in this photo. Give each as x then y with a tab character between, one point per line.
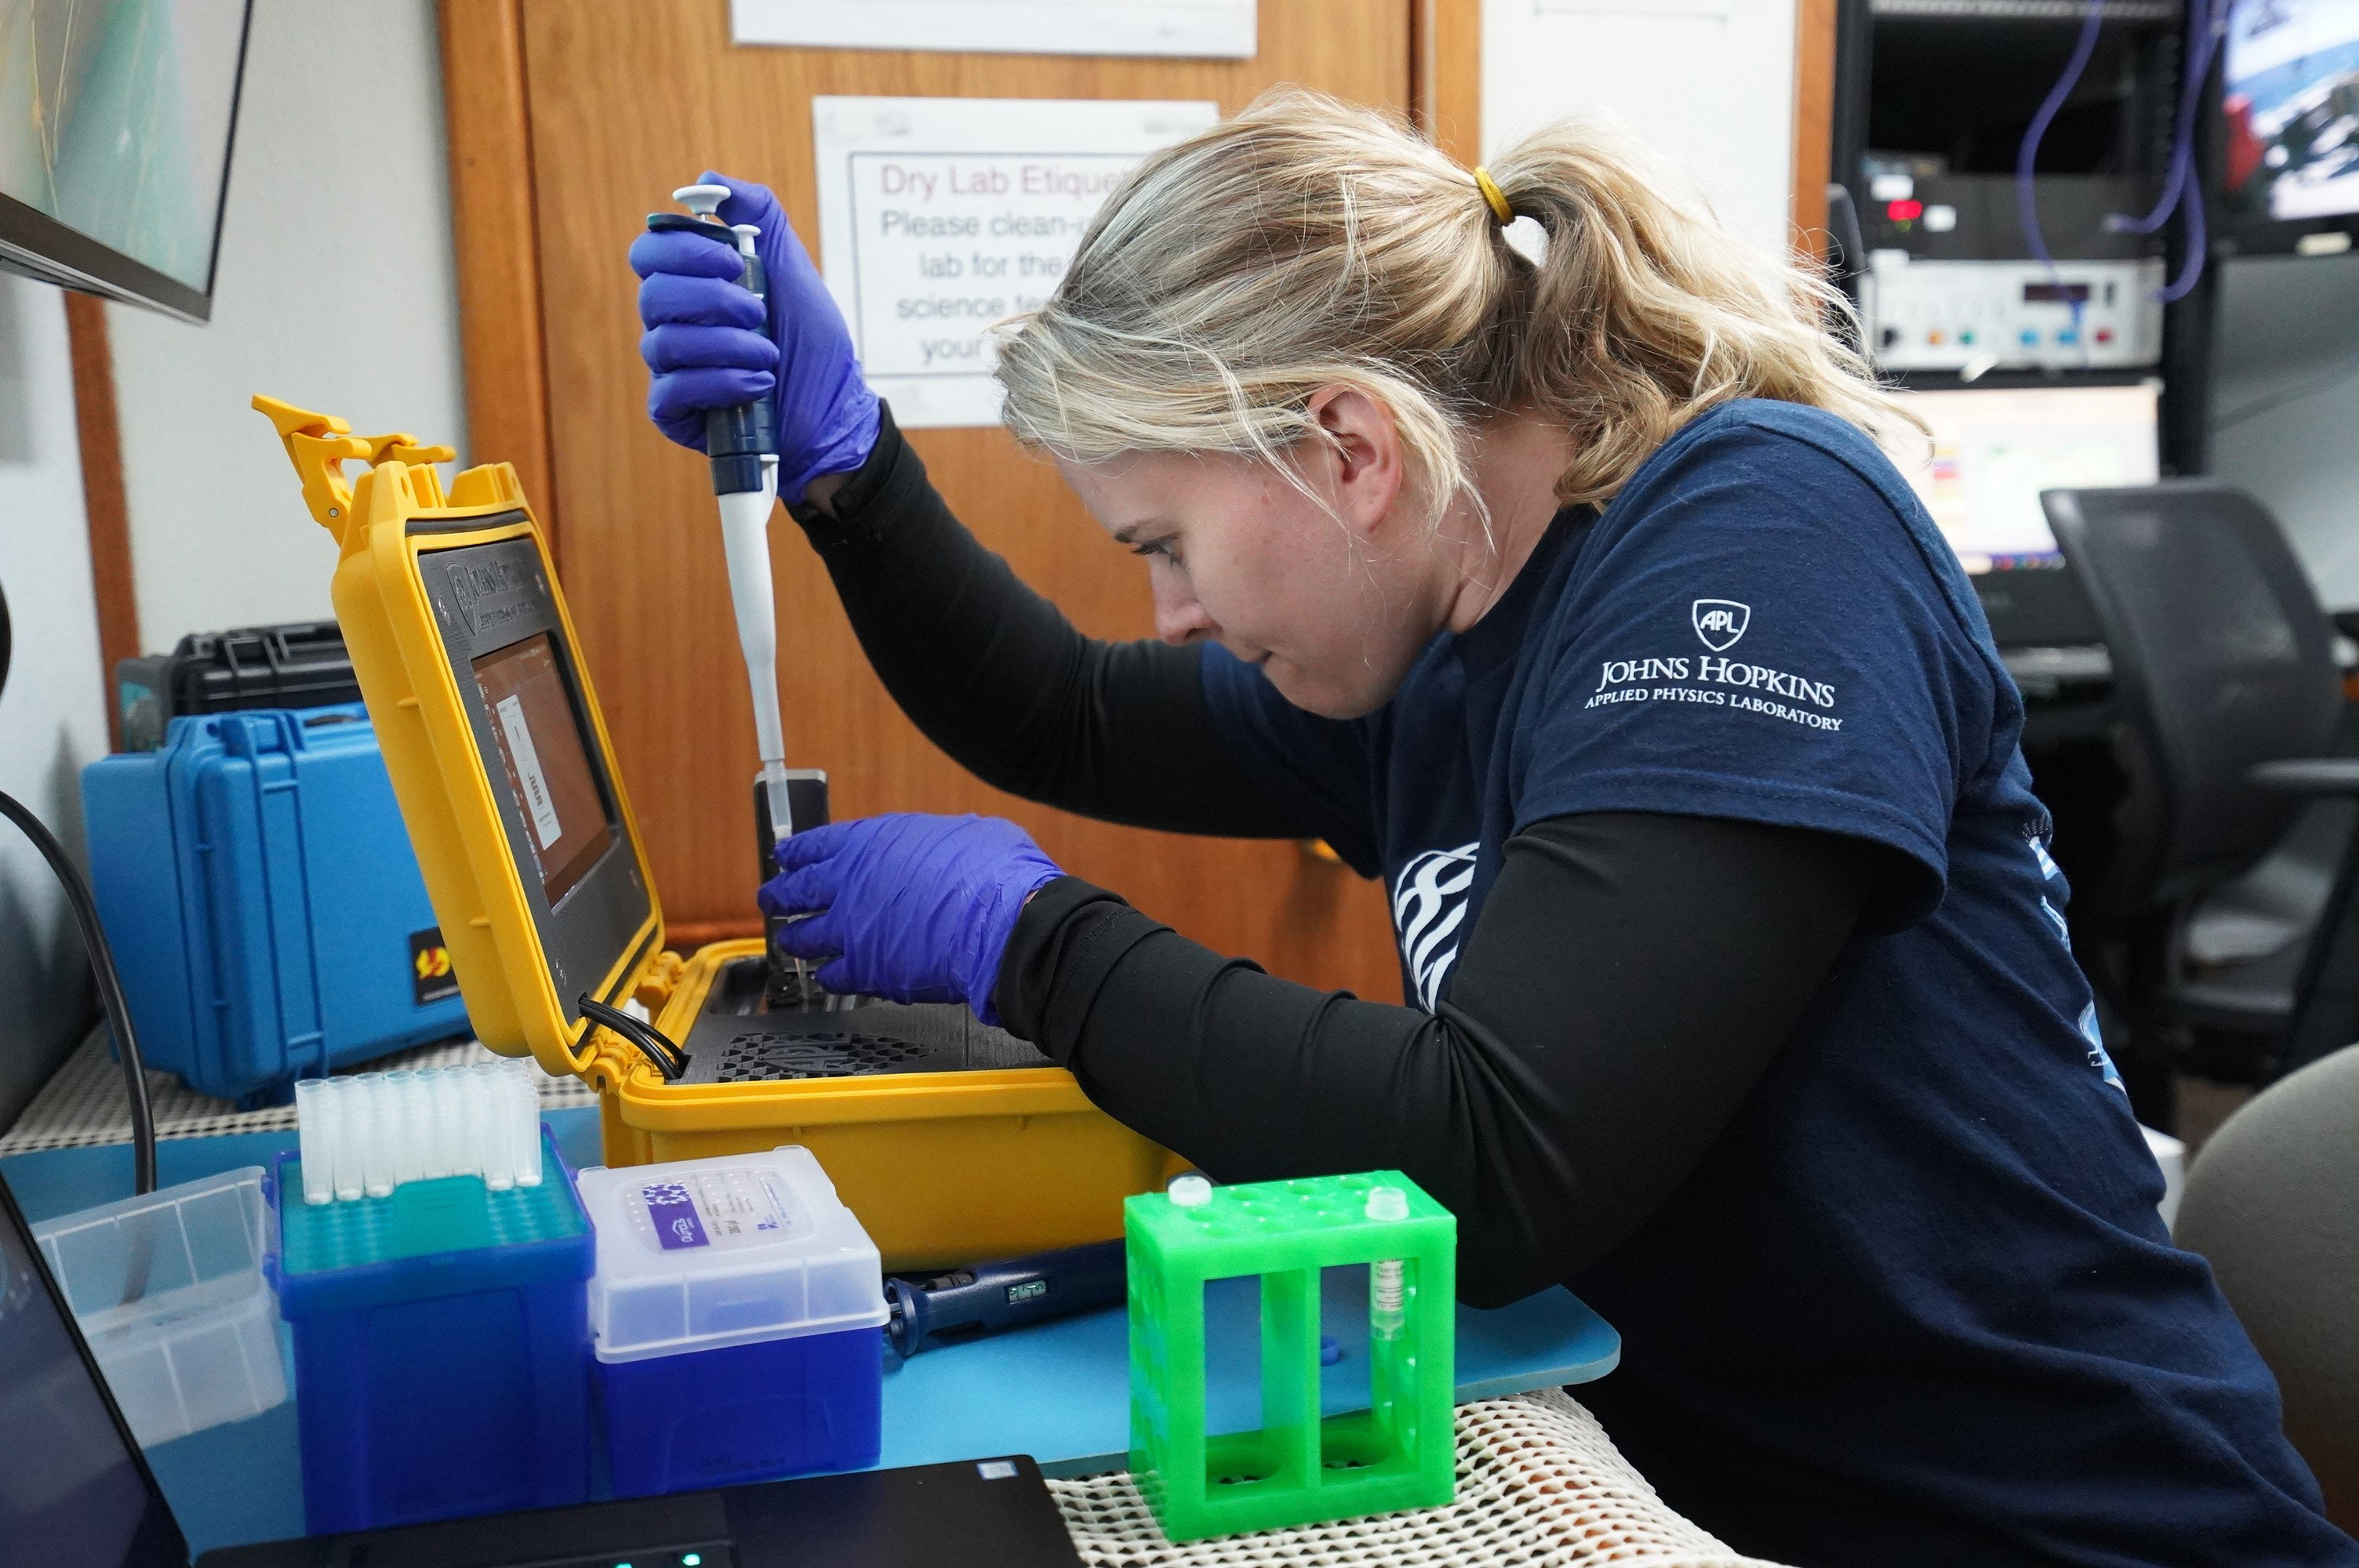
516	678
548	772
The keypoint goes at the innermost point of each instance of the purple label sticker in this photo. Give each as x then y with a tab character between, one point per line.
674	1214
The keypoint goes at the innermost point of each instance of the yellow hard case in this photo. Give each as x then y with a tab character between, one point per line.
941	1168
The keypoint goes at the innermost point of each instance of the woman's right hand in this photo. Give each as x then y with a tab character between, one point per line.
710	345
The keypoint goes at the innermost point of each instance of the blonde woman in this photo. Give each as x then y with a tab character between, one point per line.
1521	535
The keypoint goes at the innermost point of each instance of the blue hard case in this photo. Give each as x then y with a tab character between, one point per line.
263	902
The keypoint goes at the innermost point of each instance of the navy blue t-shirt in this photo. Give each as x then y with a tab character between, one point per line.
1921	1274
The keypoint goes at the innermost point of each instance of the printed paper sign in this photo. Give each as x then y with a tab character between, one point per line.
942	216
536	800
1197	29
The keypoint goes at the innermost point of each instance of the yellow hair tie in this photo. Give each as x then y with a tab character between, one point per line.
1494	196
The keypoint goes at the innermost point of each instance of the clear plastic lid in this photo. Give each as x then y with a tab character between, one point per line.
702	1254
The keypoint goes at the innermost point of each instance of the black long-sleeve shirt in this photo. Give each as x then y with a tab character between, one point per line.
1764	1035
1627	981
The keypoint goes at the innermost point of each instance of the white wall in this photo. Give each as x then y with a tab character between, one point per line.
1714	91
335	289
53	708
2289	325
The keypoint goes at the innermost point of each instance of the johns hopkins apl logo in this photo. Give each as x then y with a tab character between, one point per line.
1720	621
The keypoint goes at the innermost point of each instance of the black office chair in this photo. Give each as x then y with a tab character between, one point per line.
2227	697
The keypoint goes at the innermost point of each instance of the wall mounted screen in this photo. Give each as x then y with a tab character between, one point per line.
115	121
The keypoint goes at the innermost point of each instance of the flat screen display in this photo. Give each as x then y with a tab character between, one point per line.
2290	97
546	766
1993	451
116	118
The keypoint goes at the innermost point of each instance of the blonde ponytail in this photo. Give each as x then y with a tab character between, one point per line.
1309	242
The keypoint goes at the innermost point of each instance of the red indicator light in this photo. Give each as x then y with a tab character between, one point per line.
1904	211
2104	334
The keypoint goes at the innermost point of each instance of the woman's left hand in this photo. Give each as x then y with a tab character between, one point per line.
910	908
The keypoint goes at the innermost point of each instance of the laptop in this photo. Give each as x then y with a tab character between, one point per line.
75	1489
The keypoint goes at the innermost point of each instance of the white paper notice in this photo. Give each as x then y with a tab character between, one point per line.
1194	28
940	216
536	800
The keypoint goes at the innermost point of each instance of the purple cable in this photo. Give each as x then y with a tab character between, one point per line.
2181	191
2203	39
2026	209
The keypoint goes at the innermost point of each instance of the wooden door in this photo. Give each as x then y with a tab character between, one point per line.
622	100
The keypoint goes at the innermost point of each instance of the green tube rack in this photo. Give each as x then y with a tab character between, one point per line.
1298	1468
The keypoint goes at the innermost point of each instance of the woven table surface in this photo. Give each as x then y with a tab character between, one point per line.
1539	1484
82	1104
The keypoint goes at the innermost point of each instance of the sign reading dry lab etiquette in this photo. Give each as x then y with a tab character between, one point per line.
942	216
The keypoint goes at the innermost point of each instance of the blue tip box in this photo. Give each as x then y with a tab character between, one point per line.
441	1341
263	902
737	1315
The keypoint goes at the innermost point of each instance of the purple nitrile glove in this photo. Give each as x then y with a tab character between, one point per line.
911	908
710	346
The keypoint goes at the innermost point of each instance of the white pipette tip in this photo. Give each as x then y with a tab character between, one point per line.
311	1113
704	201
365	1134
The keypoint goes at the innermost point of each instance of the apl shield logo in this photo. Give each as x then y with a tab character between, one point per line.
1428	906
1720	621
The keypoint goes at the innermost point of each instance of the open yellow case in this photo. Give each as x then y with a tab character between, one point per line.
951	1143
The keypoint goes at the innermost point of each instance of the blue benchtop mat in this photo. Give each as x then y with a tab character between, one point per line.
1059	1393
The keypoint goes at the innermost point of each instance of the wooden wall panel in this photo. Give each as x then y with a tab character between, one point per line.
629	99
1814	120
1446	70
498	252
105	505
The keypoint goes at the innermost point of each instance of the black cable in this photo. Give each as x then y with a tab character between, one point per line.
110	988
668	1058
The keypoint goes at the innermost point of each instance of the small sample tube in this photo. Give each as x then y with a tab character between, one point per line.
410	1160
1387	1289
428	1104
383	1153
312	1139
451	1123
486	1150
525	1147
352	1136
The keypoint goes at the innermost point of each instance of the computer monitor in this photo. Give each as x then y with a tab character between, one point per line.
115	121
2288	153
1994	450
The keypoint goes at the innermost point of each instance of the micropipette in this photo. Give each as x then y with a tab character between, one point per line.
741	444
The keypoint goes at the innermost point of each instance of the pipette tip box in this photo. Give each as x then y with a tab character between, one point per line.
440	1334
736	1318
